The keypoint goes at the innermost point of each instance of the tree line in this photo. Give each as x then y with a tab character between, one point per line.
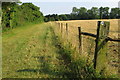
16	14
83	13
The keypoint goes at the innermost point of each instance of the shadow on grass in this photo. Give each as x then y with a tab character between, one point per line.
65	55
72	69
45	67
28	70
78	69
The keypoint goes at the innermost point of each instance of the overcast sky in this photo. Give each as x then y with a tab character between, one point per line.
65	6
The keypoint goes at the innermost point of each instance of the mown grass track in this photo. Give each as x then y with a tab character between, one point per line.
37	51
30	53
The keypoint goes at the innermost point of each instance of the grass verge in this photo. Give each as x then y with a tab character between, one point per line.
77	67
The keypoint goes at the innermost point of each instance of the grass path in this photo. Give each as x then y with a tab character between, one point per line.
35	51
28	52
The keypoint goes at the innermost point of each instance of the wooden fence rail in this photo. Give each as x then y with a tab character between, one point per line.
93	35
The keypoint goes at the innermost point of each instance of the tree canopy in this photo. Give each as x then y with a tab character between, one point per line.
16	15
83	13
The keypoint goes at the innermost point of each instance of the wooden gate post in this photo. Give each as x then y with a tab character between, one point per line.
100	56
80	43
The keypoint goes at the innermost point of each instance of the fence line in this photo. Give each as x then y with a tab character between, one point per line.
101	42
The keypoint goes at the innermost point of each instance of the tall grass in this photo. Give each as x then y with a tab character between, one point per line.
77	64
76	67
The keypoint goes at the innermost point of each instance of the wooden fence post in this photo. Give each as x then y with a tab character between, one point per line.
61	28
100	56
59	25
80	43
67	30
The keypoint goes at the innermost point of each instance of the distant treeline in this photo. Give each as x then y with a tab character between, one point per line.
82	14
17	14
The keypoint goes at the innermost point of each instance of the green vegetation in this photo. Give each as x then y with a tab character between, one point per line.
28	53
78	65
15	14
37	51
83	14
18	14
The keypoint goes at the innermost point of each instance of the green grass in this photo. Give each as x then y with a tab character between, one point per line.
23	49
29	52
79	66
36	51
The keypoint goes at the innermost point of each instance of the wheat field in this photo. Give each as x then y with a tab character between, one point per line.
88	43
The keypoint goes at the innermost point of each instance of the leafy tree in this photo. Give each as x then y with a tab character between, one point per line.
90	14
93	13
82	13
15	15
63	17
73	16
106	13
8	13
101	12
74	10
118	14
114	13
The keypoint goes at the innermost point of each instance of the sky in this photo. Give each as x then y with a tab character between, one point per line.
65	6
